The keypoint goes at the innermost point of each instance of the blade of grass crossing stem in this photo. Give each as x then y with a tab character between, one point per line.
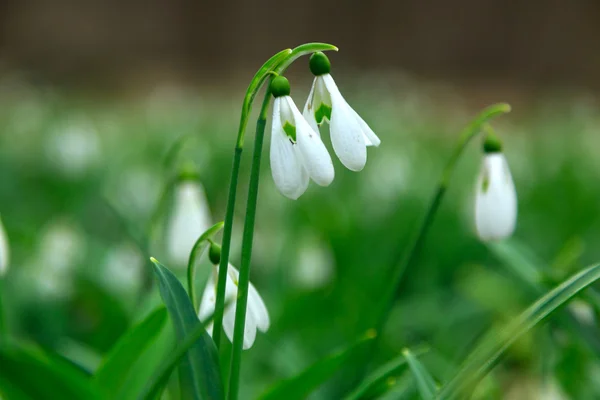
494	344
380	375
30	373
303	384
199	370
425	382
115	368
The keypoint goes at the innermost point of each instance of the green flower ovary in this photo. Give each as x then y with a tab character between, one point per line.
324	111
290	130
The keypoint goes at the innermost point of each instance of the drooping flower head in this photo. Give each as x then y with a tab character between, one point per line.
4	250
496	198
350	134
257	316
297	152
189	218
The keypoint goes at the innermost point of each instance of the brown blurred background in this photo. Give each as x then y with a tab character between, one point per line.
107	42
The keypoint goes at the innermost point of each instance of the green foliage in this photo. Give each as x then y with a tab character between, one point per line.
303	384
114	373
200	377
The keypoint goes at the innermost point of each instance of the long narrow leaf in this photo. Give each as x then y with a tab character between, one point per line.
28	373
425	382
301	385
116	367
493	346
199	369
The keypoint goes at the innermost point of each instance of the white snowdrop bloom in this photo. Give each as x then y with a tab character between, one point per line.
74	149
190	218
297	152
350	134
4	250
122	269
496	198
257	316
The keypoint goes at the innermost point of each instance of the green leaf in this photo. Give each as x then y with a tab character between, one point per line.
29	373
199	369
495	343
301	385
425	383
113	373
199	248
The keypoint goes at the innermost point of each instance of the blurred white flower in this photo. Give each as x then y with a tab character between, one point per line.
4	250
190	218
583	311
297	152
122	270
496	199
314	265
60	249
257	316
73	149
350	134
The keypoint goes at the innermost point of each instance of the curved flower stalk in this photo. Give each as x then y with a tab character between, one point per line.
297	152
350	134
496	198
257	317
4	250
190	217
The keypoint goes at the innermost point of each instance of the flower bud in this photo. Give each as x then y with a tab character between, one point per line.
319	64
214	253
280	86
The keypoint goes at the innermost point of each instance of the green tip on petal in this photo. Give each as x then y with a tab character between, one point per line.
280	86
492	144
319	64
214	253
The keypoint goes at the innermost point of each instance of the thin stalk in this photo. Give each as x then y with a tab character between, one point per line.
404	258
248	236
225	247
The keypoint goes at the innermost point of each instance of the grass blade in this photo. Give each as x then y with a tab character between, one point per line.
301	385
113	373
30	373
494	344
199	369
425	382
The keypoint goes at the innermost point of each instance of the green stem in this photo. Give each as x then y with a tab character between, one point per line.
3	329
276	64
244	277
225	247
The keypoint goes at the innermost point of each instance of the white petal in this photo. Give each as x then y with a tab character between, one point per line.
313	153
370	137
496	199
4	250
286	167
258	309
347	135
309	110
250	324
190	219
207	304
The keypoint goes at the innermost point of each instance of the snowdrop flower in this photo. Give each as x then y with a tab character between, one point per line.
350	134
257	316
4	251
496	198
190	218
297	152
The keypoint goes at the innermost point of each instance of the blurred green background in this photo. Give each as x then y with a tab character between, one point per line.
82	171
